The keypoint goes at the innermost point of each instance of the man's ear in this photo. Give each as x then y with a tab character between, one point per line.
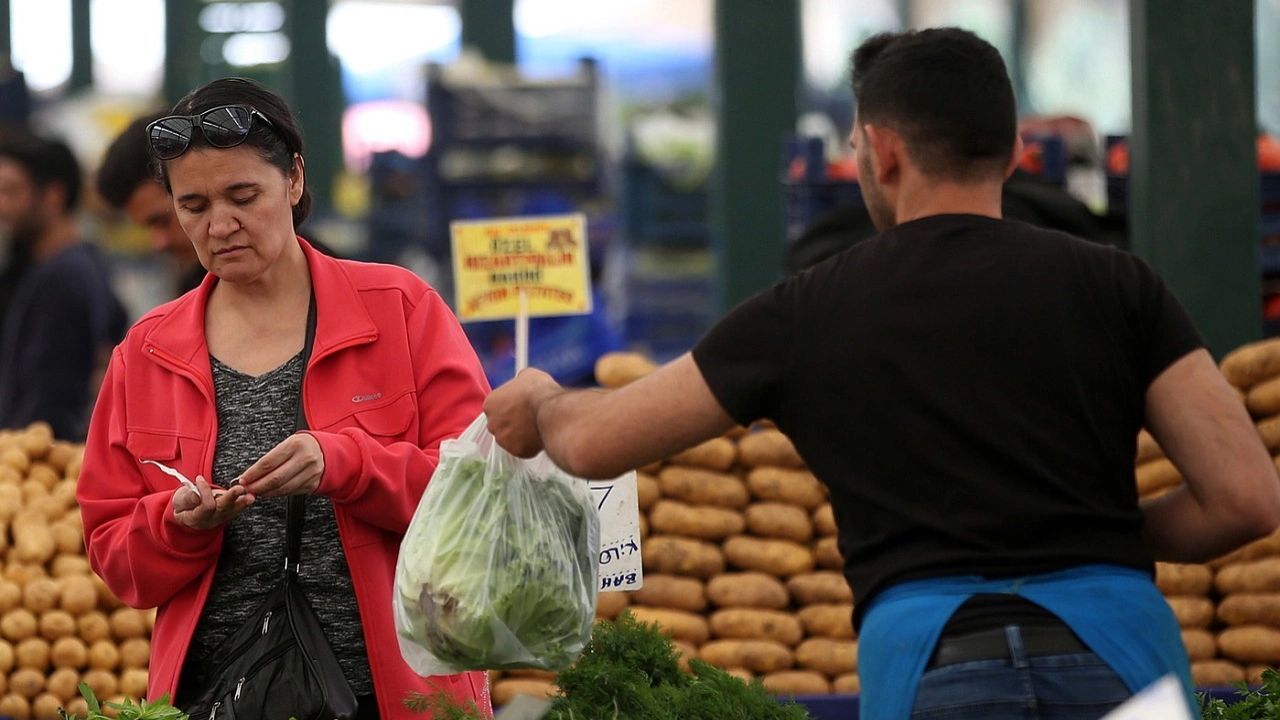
886	152
1018	149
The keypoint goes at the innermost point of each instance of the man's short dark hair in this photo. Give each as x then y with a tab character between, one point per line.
946	91
47	162
127	163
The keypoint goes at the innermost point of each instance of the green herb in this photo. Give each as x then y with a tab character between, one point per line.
504	575
1262	703
157	710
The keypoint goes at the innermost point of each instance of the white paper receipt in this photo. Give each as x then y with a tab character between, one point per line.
620	567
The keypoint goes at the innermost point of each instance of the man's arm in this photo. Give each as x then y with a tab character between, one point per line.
1232	492
604	433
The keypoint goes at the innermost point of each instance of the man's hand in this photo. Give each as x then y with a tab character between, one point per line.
294	467
205	509
512	411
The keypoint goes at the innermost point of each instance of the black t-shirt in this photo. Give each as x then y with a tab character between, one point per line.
969	389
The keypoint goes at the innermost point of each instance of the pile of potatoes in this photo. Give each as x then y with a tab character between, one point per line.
59	625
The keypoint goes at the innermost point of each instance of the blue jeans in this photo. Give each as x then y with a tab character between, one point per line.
1051	687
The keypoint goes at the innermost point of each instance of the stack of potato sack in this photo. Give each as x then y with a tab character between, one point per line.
59	625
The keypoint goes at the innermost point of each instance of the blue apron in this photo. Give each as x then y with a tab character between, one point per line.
1116	611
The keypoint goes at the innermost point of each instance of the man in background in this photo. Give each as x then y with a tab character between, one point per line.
126	182
63	318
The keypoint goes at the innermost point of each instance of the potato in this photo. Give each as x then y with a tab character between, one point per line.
150	615
1192	612
756	624
45	475
41	594
1269	432
106	598
677	624
1253	576
827	656
1216	673
684	652
33	542
93	626
703	487
506	690
706	522
69	652
59	455
11	500
33	490
103	655
715	454
77	707
824	586
7	657
1260	548
682	556
73	465
827	554
128	623
133	682
46	705
643	526
761	656
1200	644
830	620
27	682
1263	399
794	487
33	653
67	538
1148	448
16	459
1250	364
847	684
671	591
18	625
742	674
824	520
1181	579
1250	643
782	558
796	682
647	491
529	673
135	653
768	447
609	604
36	439
1156	475
64	566
79	595
747	589
615	369
1253	673
15	706
652	468
1250	609
10	595
102	682
779	520
62	683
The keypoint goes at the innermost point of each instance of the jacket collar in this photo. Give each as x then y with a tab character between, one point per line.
340	315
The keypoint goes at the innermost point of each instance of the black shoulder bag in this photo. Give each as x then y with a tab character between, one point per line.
281	666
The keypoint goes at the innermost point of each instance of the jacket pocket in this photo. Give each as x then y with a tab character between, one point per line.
152	446
390	420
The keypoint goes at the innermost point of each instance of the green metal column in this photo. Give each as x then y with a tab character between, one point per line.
181	48
6	36
489	26
1193	180
317	96
757	66
1017	59
81	47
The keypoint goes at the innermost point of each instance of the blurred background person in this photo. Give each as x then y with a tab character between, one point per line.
63	317
127	182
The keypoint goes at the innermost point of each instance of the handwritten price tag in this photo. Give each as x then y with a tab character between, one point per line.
620	567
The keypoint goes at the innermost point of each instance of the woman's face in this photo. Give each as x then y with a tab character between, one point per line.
236	207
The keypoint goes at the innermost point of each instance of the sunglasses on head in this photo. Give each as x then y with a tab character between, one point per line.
225	126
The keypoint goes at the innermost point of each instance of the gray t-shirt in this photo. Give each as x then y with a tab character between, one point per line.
254	415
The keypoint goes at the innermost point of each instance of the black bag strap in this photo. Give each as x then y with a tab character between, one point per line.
295	514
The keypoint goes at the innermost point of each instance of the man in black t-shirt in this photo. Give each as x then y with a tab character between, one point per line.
969	389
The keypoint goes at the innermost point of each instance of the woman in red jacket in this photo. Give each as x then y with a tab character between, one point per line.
209	385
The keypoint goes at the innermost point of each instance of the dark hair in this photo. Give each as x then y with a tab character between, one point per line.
946	91
127	163
47	162
277	145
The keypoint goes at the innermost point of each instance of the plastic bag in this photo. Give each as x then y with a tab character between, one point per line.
498	568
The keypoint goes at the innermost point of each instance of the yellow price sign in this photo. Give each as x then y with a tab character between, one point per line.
543	258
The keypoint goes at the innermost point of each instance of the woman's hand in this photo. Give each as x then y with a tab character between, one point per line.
204	509
294	467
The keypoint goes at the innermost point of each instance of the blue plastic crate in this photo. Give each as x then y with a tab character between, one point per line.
656	213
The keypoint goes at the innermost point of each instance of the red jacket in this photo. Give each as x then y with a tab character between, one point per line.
390	376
